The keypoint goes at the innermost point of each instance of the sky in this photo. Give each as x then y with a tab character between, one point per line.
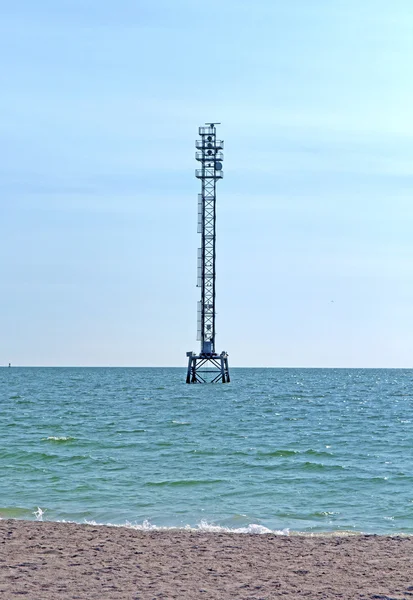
99	113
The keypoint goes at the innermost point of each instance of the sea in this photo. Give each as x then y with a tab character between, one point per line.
282	450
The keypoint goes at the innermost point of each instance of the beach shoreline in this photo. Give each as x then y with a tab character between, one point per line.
51	560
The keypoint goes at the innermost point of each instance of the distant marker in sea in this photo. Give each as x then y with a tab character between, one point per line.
207	366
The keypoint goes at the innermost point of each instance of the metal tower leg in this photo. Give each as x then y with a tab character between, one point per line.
188	373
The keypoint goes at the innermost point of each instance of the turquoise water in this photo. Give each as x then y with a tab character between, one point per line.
303	449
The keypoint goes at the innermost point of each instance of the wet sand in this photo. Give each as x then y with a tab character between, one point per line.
44	561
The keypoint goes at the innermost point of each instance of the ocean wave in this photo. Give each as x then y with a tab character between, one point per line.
285	452
54	438
278	453
35	459
202	526
317	452
131	431
211	452
15	512
185	482
313	466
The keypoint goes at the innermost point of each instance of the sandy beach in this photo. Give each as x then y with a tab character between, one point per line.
42	561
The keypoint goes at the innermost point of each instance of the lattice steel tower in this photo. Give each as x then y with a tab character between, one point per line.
207	366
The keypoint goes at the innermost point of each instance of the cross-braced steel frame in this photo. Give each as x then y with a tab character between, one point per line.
208	366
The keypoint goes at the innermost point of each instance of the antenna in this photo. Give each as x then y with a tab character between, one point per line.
207	366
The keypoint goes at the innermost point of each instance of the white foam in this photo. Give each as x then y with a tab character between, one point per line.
203	526
54	438
39	514
252	528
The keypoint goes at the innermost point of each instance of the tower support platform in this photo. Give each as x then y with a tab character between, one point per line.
204	368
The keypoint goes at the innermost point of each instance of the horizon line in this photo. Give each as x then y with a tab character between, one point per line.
11	366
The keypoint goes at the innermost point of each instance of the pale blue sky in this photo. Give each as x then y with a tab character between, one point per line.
99	111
